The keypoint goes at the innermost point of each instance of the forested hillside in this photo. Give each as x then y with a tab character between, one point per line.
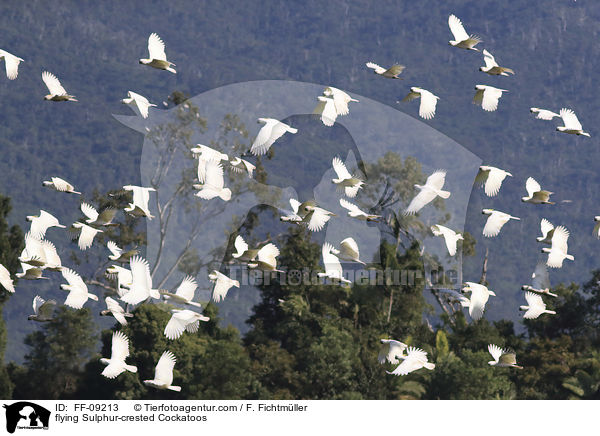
317	342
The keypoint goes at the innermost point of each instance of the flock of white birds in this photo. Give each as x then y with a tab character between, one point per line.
491	179
134	284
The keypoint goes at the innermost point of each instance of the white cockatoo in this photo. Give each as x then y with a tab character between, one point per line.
495	221
450	237
355	212
123	277
206	154
487	96
535	306
341	100
502	358
308	213
114	309
428	192
390	351
596	230
12	64
540	281
479	297
78	290
491	178
41	223
30	272
326	109
392	72
243	252
266	258
5	280
543	114
222	285
117	253
138	102
461	37
184	293
42	310
214	183
183	320
547	232
491	66
60	185
333	267
119	352
33	252
535	193
415	359
428	101
86	234
345	180
103	218
348	251
269	133
157	57
56	92
571	123
52	258
141	282
559	249
141	197
40	253
240	165
163	374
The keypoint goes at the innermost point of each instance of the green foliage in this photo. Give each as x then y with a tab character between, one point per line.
58	351
11	244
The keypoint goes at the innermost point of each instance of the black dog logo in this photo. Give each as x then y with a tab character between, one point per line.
26	415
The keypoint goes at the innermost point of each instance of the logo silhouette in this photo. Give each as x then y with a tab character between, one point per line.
26	415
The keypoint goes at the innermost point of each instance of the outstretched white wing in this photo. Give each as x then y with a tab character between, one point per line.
340	169
490	98
326	108
495	351
570	119
540	279
428	104
457	29
12	64
187	288
164	368
333	267
53	84
531	186
489	60
156	48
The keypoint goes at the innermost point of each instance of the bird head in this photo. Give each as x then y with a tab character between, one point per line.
597	218
533	110
480	68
